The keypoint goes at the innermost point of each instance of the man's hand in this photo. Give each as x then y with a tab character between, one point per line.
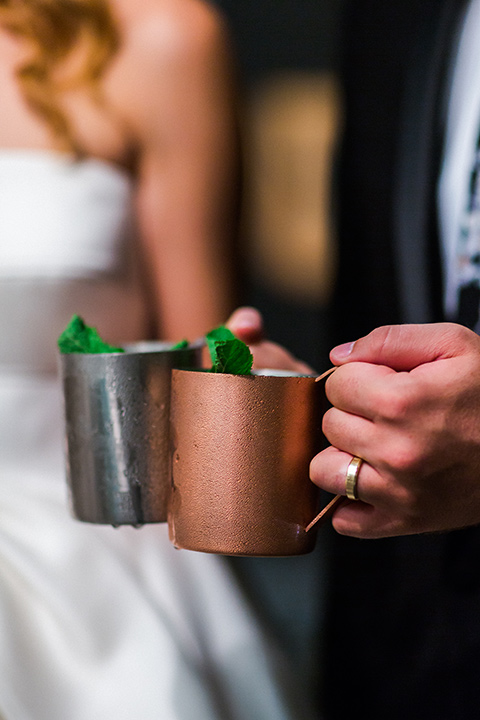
406	399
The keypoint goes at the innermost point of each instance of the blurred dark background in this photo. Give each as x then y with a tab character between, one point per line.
287	53
272	35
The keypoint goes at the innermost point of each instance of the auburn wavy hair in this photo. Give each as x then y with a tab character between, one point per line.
52	30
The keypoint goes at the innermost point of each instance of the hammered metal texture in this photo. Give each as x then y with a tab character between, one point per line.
241	449
117	416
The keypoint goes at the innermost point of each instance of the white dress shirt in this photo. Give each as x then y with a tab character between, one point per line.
462	130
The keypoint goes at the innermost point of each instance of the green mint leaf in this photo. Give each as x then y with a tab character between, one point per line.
215	337
228	353
233	357
180	345
79	338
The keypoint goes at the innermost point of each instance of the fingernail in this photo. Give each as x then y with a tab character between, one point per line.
342	351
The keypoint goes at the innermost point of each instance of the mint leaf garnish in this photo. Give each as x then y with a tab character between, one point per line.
228	353
180	345
79	338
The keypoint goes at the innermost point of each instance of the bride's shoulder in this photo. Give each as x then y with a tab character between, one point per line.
174	57
162	30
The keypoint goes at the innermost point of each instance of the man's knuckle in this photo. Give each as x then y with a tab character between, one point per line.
404	456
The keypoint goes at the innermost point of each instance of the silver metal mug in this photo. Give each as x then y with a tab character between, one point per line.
117	415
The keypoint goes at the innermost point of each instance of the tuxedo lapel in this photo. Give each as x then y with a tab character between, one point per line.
419	152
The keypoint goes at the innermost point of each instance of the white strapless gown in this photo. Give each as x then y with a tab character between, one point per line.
98	623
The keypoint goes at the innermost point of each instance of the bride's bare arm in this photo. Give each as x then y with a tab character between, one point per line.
178	101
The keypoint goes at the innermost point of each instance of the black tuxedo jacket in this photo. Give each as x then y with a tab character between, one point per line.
395	77
403	626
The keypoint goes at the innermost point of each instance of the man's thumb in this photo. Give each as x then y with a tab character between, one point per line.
404	347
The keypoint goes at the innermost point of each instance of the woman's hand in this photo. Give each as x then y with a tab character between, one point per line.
247	324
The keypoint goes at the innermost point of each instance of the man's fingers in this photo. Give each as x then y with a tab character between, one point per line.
328	470
405	347
362	518
363	389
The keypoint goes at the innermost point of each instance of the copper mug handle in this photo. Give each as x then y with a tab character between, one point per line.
330	507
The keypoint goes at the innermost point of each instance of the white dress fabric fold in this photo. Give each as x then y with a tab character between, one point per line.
98	623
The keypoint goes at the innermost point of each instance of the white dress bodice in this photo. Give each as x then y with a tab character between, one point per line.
98	623
66	245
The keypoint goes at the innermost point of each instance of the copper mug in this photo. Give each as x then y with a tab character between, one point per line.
117	420
241	450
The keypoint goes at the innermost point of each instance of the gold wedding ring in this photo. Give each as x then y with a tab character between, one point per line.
352	477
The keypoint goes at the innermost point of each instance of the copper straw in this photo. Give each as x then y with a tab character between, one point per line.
326	512
326	373
328	509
